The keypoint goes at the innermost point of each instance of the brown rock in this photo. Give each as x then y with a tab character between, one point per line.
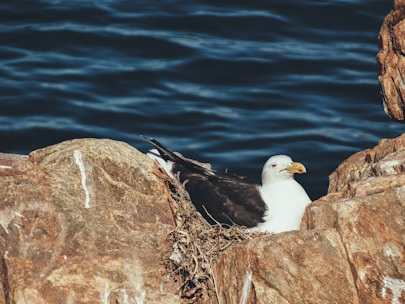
387	155
366	206
291	267
83	222
354	251
391	61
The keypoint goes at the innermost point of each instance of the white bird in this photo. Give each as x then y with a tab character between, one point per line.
284	197
275	205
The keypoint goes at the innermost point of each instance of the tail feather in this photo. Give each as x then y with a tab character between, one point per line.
170	156
164	153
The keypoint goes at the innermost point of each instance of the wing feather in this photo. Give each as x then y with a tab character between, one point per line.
228	198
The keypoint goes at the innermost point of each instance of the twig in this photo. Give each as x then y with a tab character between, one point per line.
198	246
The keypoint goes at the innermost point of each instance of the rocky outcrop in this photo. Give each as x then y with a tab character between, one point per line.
83	221
366	206
286	268
391	61
352	252
86	221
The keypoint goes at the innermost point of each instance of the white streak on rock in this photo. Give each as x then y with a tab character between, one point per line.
362	275
396	286
5	167
388	167
80	164
106	293
392	251
18	214
246	287
140	298
135	275
125	296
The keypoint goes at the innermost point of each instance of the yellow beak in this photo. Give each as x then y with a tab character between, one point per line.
296	168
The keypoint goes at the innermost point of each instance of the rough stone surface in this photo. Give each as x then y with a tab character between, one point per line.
366	206
351	248
85	221
387	158
391	61
82	222
291	267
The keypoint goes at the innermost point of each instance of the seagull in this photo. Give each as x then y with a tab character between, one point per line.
275	205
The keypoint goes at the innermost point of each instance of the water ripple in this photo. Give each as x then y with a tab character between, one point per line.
229	83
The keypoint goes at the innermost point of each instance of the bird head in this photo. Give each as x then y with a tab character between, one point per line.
280	167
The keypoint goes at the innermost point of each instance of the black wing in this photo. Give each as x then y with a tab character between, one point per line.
228	198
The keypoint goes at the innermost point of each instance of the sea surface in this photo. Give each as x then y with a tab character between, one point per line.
225	82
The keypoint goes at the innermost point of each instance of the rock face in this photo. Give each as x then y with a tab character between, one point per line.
286	268
391	61
366	206
85	221
353	252
82	222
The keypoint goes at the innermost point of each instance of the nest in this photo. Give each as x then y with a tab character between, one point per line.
192	247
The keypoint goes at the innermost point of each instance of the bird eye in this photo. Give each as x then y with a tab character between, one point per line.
273	165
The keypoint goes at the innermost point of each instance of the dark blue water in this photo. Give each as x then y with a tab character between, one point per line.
227	82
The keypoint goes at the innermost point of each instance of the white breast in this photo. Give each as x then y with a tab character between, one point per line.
286	201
